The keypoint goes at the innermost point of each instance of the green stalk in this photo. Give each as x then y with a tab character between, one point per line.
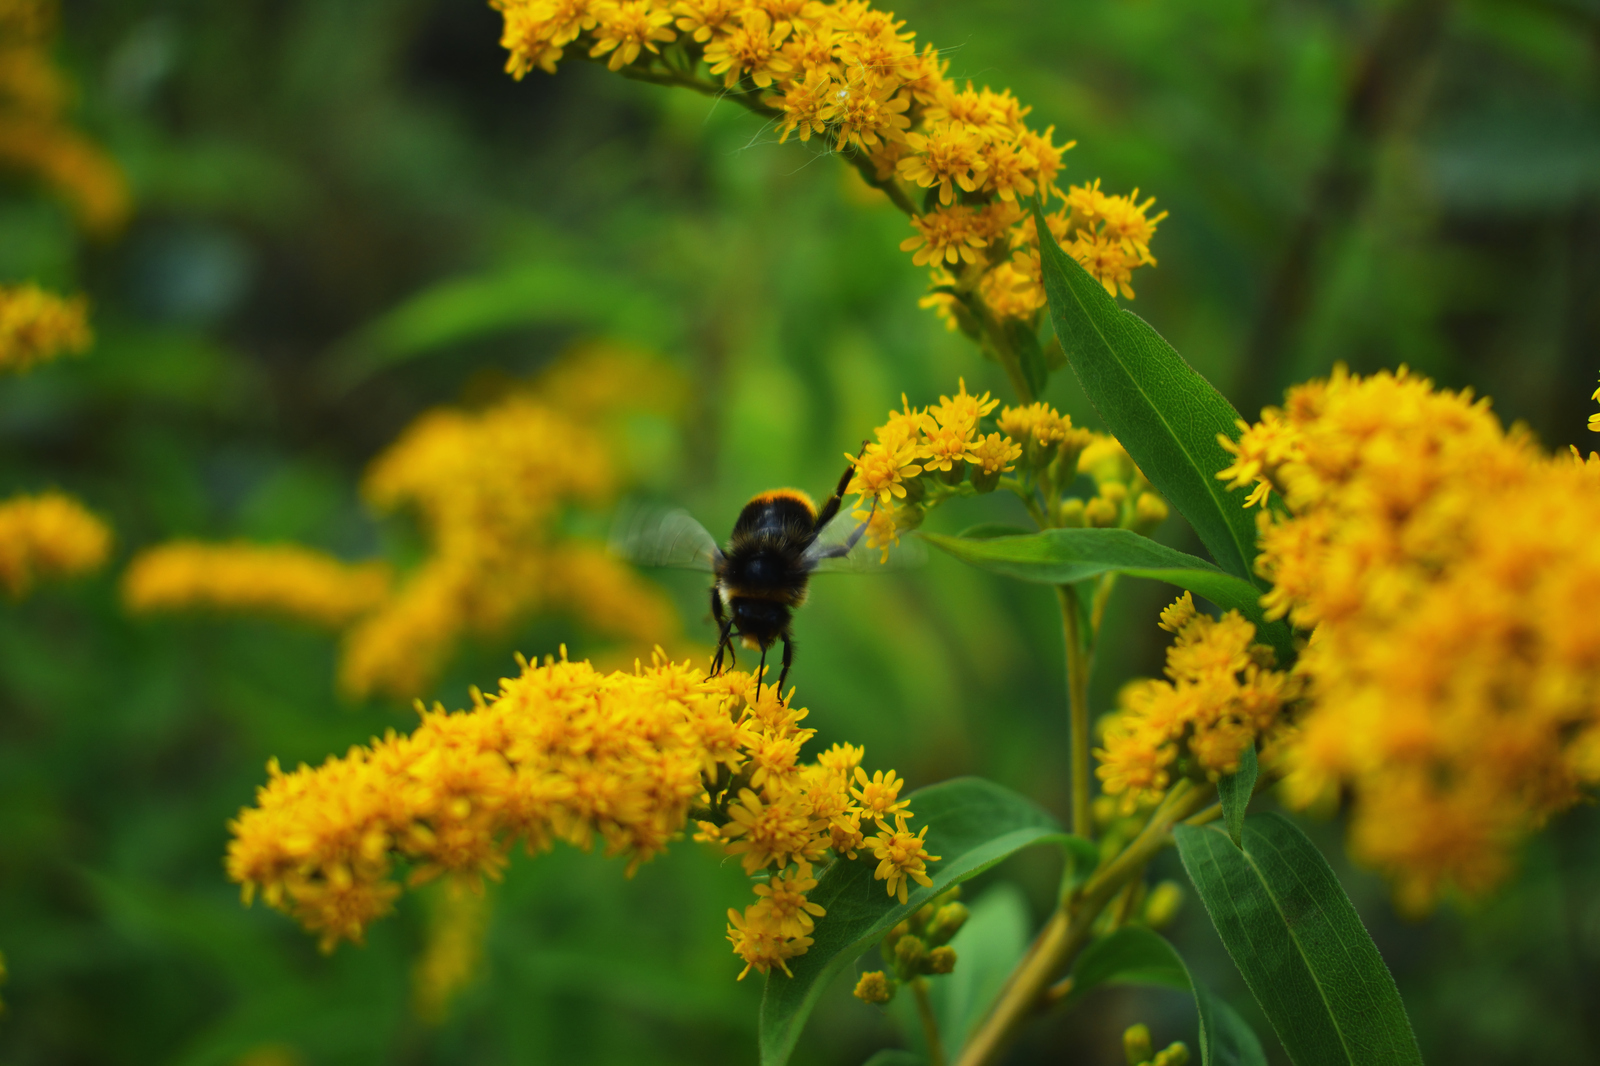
930	1024
1079	663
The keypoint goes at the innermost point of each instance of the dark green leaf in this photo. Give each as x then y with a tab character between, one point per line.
1136	955
1062	556
1235	791
1165	414
972	824
1297	940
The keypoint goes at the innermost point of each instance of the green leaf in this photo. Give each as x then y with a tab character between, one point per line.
988	530
1165	414
972	824
1297	940
1135	955
1062	556
1235	791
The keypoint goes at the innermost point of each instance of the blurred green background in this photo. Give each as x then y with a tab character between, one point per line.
347	214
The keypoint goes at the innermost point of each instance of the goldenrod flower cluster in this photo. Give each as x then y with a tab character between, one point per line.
564	752
917	947
36	326
1451	571
280	579
48	535
488	488
923	456
960	161
34	138
1222	695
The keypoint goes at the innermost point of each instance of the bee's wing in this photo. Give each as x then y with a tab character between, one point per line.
837	551
649	536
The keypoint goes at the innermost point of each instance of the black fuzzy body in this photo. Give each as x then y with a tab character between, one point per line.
762	576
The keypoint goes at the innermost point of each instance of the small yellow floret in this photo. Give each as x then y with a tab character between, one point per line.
46	536
36	327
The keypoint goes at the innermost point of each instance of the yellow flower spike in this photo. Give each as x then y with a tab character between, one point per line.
1449	570
50	535
37	327
276	579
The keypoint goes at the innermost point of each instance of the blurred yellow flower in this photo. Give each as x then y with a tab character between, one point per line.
563	752
34	138
36	326
458	918
1450	570
282	579
45	536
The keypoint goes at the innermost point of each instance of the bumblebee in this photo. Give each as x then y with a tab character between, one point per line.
762	575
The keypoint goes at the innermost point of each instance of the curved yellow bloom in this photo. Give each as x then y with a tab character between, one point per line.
1450	570
564	752
46	536
36	326
846	72
902	856
280	579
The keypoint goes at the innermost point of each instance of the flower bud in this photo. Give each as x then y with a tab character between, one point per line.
983	482
1161	906
955	475
916	489
1070	513
1149	511
941	960
909	951
909	517
946	921
1100	512
1136	1046
874	987
1176	1054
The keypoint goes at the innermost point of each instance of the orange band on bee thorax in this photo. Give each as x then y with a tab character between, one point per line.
786	494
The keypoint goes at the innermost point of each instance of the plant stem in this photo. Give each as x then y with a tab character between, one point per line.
930	1024
1079	662
1069	928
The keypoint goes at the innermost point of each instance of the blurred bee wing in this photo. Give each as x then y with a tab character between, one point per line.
651	536
836	551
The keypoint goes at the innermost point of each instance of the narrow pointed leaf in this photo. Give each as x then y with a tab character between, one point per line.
1165	414
1235	791
1300	945
1063	556
1137	956
972	824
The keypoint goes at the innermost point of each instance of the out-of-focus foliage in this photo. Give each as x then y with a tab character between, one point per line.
346	214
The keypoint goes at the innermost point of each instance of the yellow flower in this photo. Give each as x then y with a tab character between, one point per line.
1449	569
873	987
994	453
946	235
1594	419
866	111
947	156
36	327
700	19
626	26
458	918
46	536
803	105
901	856
752	47
276	579
564	752
878	794
1222	696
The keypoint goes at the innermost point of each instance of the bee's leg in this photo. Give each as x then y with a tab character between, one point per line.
830	506
788	661
724	632
843	547
761	671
